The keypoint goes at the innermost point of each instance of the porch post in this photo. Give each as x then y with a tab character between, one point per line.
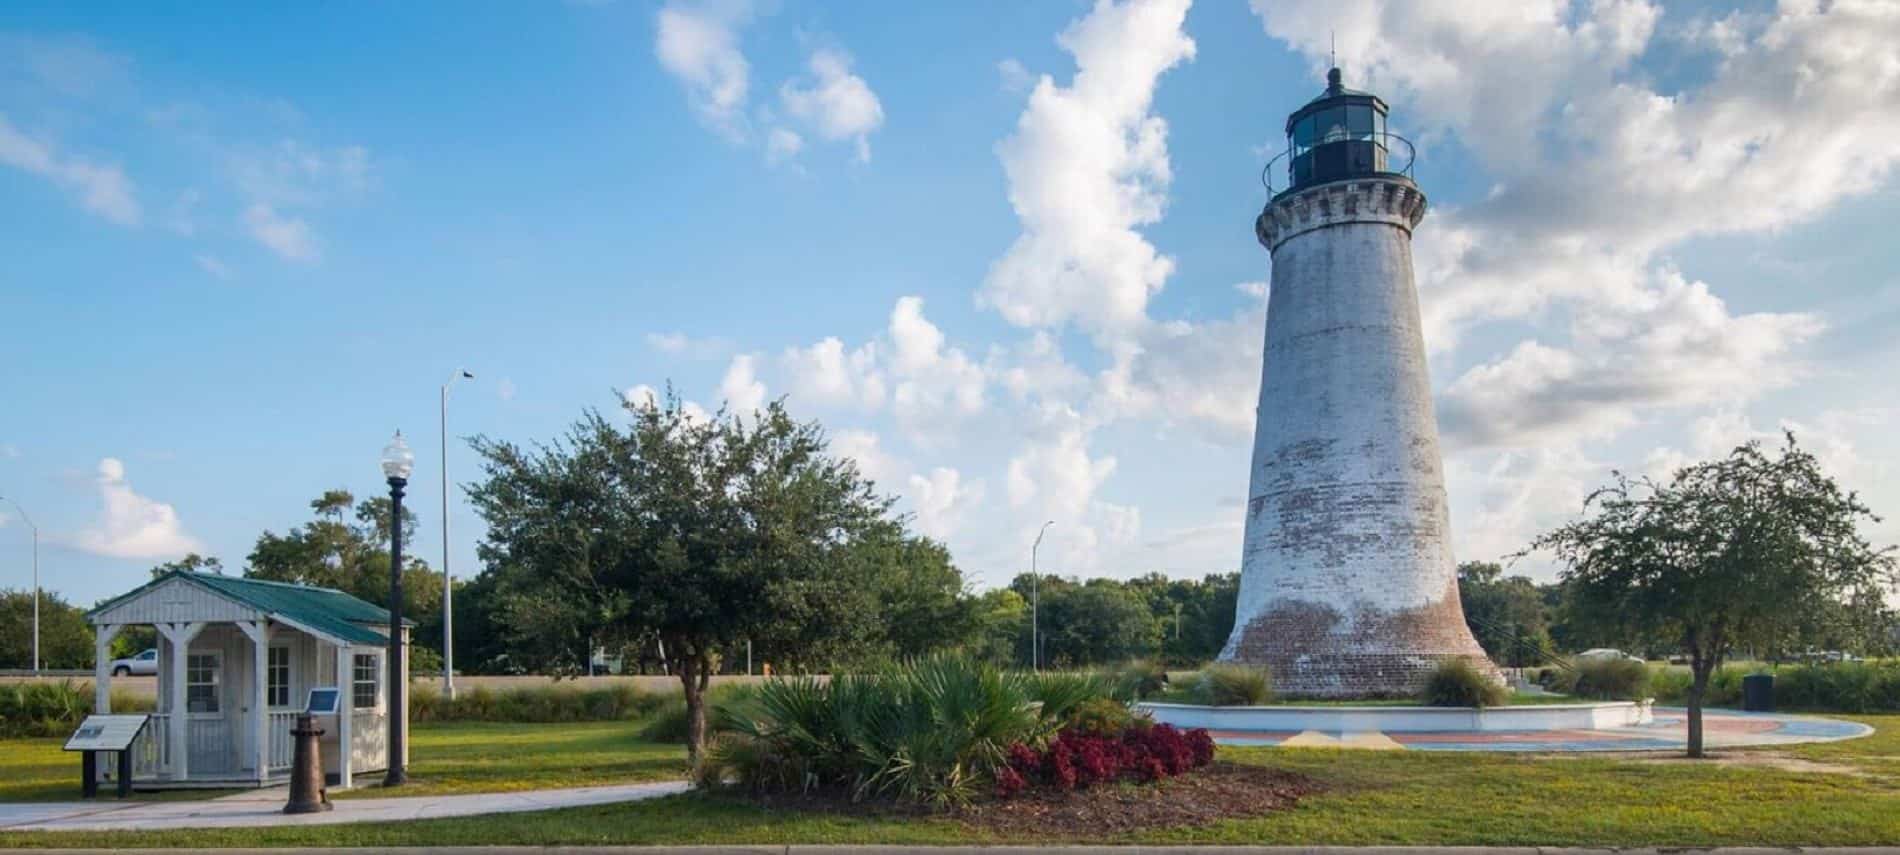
179	748
102	667
259	633
346	710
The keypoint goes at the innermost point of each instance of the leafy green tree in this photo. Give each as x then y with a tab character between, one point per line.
1001	633
191	563
1091	623
702	533
346	547
1749	550
65	637
1195	616
1505	613
921	605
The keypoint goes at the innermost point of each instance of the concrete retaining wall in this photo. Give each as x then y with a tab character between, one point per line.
1594	716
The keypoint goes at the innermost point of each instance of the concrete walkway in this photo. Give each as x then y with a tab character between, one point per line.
260	809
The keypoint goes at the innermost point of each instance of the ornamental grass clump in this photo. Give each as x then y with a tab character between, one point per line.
1233	685
1458	683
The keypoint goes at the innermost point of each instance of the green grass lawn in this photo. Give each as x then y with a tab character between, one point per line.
1847	793
445	758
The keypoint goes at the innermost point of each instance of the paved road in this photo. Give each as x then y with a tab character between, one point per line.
265	809
1028	850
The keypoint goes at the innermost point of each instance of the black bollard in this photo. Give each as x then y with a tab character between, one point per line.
307	793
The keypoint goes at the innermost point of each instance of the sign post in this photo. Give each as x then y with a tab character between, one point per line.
106	733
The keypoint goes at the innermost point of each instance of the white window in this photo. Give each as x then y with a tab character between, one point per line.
277	677
363	682
201	682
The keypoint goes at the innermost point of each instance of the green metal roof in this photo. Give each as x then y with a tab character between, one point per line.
324	610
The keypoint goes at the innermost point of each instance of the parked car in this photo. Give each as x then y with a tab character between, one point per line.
145	664
1610	653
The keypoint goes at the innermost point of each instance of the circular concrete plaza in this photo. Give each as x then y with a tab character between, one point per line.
1666	731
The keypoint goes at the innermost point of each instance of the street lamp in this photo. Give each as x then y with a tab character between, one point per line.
448	584
1035	602
36	584
398	462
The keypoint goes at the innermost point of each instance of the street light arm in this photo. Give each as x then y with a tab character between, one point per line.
23	515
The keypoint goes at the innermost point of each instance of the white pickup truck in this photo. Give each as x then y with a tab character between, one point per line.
145	663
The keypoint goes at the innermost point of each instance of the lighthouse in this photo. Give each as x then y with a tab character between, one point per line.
1347	584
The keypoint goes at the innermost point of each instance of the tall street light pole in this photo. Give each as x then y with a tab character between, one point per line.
448	582
398	462
36	584
1035	602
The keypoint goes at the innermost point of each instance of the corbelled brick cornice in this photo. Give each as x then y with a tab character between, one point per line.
1389	199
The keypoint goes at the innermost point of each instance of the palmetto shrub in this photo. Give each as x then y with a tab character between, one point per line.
1233	685
933	731
54	709
1458	683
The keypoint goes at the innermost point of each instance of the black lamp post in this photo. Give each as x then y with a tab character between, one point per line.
398	462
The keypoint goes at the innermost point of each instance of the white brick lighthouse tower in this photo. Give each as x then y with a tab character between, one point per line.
1347	586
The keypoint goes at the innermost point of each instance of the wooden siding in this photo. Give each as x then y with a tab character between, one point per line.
177	601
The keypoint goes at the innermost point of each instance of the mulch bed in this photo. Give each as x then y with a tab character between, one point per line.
1220	791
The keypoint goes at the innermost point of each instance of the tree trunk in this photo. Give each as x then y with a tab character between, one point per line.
693	684
1698	686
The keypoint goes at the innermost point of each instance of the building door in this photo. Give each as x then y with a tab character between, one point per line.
208	735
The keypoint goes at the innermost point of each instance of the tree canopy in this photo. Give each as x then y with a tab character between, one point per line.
1753	549
702	533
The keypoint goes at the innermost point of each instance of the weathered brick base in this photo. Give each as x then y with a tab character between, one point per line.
1314	651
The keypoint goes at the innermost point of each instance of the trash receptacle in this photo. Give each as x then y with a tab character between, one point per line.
1758	693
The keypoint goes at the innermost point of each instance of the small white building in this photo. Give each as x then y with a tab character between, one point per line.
237	659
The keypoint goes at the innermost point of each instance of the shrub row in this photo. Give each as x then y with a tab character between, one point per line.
1078	758
1849	687
1601	679
535	704
54	709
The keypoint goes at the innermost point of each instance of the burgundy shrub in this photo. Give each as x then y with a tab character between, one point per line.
1009	782
1076	758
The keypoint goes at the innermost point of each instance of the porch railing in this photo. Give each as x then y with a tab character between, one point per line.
151	751
283	746
369	734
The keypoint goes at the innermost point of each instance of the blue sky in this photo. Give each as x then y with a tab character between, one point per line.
1003	251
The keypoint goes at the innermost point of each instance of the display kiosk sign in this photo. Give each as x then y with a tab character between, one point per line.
325	700
106	733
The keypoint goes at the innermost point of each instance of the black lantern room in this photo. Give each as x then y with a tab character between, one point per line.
1340	134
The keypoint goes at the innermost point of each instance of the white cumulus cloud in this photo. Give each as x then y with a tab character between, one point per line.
837	104
133	526
698	43
1088	165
